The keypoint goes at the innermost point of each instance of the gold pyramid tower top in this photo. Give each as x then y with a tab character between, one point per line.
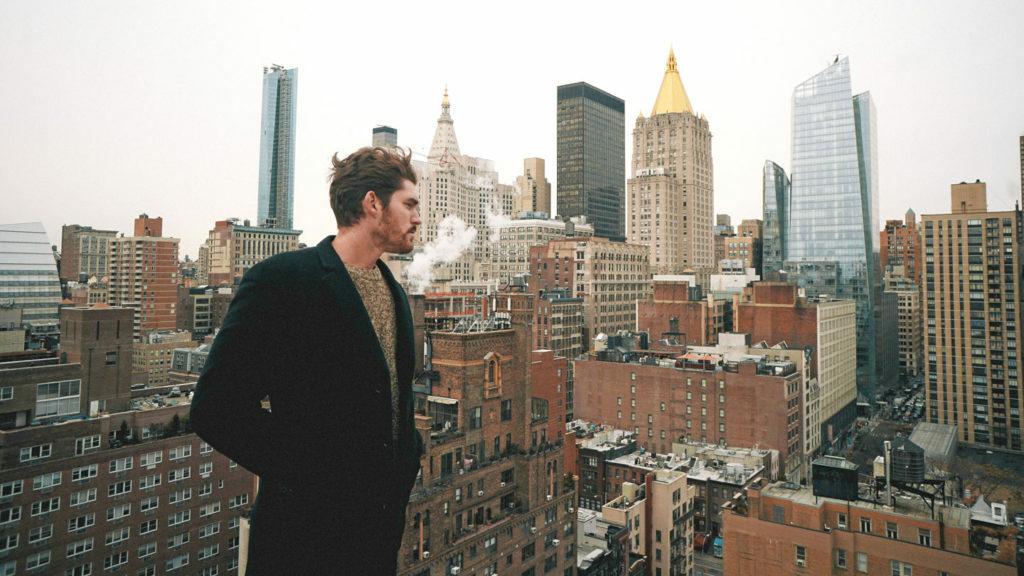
672	96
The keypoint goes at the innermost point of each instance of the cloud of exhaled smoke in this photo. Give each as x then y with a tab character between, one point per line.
453	238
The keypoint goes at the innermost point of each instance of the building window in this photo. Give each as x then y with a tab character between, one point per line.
841	558
46	506
865	525
862	562
58	398
506	410
45	481
36	452
801	556
79	547
891	531
12	488
10	515
86	444
841	520
902	569
37	560
84	472
924	537
120	464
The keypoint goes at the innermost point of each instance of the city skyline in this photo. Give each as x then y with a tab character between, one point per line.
104	129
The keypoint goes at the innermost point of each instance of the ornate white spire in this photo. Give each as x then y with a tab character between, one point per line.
445	147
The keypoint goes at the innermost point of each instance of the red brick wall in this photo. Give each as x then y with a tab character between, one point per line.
653	317
773	314
547	375
754	544
755	406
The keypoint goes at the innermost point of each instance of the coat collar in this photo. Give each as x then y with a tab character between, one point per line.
341	286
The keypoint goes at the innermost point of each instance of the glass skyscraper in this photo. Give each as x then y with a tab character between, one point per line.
277	148
591	158
776	219
834	202
29	281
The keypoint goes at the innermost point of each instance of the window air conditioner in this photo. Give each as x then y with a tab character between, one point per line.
502	484
533	529
426	554
480	493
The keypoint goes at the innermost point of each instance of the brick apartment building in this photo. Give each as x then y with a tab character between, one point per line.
775	312
144	276
703	399
152	356
232	248
901	246
493	495
201	310
972	312
84	251
95	481
609	459
609	276
783	528
676	311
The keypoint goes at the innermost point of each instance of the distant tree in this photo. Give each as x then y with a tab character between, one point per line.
174	428
994	482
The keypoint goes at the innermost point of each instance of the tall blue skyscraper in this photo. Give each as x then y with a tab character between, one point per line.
833	209
277	148
776	220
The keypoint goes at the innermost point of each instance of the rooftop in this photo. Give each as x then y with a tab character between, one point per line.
903	504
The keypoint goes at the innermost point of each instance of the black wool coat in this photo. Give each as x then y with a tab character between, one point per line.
334	483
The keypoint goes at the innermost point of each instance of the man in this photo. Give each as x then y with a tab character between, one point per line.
308	384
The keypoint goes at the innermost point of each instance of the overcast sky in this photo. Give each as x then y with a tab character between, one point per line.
112	109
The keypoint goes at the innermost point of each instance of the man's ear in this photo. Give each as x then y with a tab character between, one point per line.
371	203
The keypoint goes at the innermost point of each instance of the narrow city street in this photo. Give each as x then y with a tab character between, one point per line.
706	564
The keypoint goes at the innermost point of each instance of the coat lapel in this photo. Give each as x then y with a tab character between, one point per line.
345	297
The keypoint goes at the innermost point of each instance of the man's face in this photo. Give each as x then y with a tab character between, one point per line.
398	221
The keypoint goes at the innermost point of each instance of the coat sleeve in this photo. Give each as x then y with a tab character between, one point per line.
244	364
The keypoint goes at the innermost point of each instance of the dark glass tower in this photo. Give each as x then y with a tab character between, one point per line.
592	158
834	202
776	219
277	148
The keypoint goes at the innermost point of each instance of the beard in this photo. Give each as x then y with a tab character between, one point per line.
391	237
